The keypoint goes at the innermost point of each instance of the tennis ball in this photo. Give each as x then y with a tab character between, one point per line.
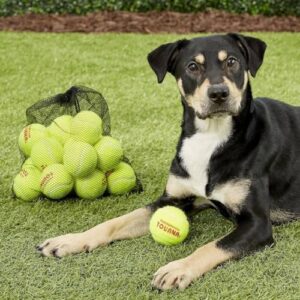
26	185
28	163
92	186
80	159
122	180
56	182
46	152
29	135
60	128
86	126
109	152
169	226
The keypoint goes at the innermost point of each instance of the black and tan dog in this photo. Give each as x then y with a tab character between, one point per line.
241	156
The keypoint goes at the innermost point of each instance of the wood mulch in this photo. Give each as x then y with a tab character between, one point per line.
150	22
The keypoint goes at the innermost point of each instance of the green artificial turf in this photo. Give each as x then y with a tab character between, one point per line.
146	118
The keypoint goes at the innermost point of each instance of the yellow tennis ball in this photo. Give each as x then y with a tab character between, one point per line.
86	126
92	186
29	135
60	128
28	164
122	180
56	182
26	185
80	159
46	152
169	226
109	152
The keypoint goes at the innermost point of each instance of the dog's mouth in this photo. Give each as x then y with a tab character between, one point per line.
215	114
205	109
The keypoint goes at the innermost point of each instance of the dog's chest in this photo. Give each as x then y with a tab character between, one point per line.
196	151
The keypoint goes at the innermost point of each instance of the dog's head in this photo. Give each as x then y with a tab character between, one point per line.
211	72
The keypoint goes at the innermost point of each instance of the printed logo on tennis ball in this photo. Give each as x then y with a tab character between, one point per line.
169	226
92	186
46	152
26	185
86	126
29	135
121	180
60	128
110	153
56	182
80	159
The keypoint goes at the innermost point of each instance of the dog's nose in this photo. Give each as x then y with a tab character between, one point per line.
218	93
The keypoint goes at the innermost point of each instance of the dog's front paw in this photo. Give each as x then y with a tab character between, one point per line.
67	244
176	274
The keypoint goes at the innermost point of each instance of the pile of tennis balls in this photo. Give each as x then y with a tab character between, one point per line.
71	154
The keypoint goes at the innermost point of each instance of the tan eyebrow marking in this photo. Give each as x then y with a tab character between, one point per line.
222	55
200	58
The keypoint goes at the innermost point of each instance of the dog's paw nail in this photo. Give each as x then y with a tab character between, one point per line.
38	248
86	249
54	253
155	288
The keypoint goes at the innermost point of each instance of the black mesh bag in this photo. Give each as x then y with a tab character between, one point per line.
74	100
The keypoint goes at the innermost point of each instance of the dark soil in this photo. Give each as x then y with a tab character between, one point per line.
150	22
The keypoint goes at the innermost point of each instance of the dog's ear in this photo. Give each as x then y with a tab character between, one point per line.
163	58
253	49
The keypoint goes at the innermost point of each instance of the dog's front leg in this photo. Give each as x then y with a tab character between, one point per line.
253	231
131	225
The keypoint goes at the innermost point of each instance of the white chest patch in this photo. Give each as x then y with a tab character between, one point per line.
197	150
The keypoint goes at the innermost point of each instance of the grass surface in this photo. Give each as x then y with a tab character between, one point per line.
145	117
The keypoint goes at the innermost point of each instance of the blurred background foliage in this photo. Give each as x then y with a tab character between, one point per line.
81	7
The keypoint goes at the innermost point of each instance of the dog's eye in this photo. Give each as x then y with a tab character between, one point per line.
193	67
231	61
